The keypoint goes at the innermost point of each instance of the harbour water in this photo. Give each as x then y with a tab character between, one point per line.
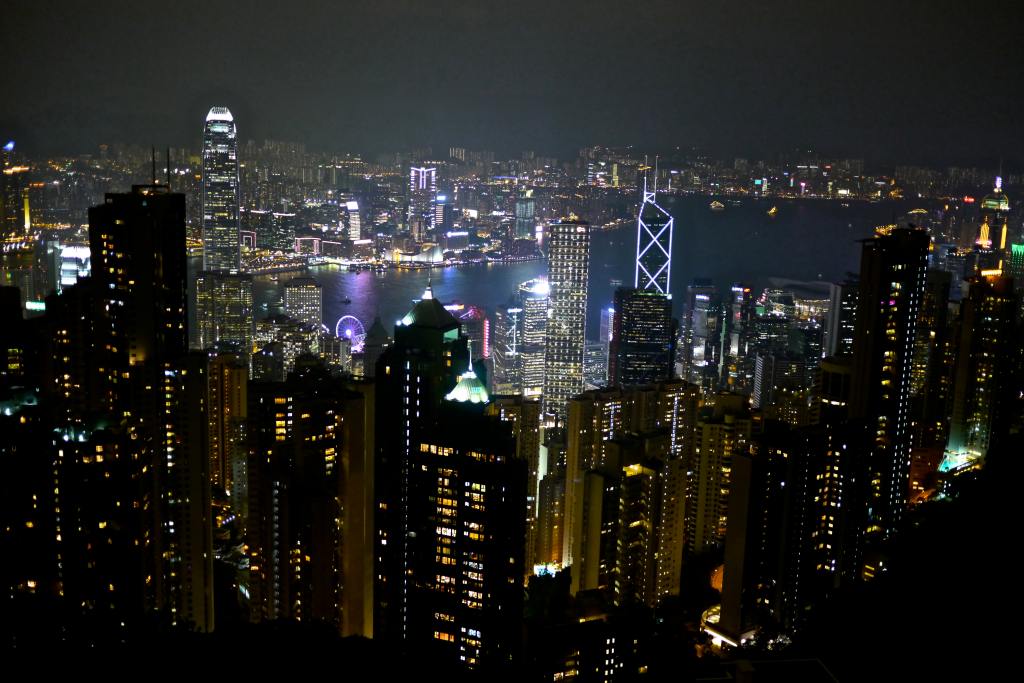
807	240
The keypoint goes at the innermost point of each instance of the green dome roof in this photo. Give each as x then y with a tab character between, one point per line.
469	389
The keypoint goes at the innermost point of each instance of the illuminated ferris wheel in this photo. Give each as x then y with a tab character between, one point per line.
349	327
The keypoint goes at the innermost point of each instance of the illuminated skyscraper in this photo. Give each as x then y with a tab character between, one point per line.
304	301
525	208
653	245
643	343
422	200
992	234
533	300
221	251
892	281
982	389
224	309
568	245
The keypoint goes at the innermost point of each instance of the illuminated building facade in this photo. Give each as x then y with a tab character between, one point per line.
984	376
225	312
654	227
422	217
310	472
467	533
304	301
525	215
892	281
523	414
508	373
221	250
534	301
568	245
697	359
227	406
643	344
723	430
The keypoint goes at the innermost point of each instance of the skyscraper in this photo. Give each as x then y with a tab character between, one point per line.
525	209
534	297
982	388
422	200
892	280
653	245
225	312
568	266
643	343
304	301
221	251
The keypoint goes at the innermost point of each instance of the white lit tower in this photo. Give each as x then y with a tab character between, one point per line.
221	252
422	199
653	244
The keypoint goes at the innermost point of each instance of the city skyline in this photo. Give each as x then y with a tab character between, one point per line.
442	405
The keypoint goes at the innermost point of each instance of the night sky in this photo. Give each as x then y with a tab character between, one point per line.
891	81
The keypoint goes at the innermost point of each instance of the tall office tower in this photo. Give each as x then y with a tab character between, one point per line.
534	299
304	301
842	316
466	535
698	330
781	383
607	328
523	414
225	312
737	370
985	375
476	326
653	245
422	200
525	215
1015	265
595	365
723	430
310	464
220	192
643	342
375	343
892	279
507	378
227	407
568	267
412	377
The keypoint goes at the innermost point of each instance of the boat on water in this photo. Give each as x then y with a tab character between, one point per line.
773	211
346	300
717	206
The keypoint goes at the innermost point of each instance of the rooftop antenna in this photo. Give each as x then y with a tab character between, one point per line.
655	174
152	150
168	169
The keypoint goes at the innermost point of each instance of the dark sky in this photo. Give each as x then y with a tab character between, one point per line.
904	80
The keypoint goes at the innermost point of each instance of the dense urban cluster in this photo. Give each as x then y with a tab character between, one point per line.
487	490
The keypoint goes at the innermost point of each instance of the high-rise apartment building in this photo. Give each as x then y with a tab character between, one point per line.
892	281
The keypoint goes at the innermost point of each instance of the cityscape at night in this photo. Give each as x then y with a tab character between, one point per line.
515	341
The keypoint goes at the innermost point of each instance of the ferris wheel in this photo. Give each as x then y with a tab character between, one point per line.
349	327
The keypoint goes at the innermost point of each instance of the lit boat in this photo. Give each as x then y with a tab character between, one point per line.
717	206
772	211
